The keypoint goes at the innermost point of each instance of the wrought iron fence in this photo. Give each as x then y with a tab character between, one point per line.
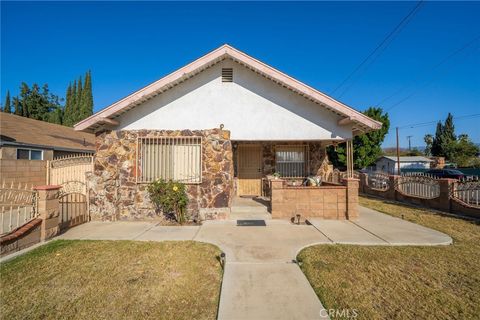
378	181
467	191
419	174
418	186
17	205
334	176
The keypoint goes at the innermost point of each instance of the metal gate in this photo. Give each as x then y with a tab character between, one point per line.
73	204
70	173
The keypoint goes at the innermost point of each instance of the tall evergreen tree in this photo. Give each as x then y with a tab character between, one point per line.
67	114
24	93
449	138
73	104
78	101
7	108
17	106
449	129
437	141
87	98
444	139
56	115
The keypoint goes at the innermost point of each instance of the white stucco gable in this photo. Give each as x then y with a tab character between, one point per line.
252	107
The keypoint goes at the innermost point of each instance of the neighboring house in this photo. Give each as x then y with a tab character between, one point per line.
389	163
26	144
221	124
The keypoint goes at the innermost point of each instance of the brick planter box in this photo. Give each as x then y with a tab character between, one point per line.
338	202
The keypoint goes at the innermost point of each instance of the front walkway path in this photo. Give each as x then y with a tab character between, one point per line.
260	279
375	228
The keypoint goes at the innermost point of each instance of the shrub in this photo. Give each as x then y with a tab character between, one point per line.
170	197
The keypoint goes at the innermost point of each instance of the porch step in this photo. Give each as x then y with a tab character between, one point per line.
250	215
248	209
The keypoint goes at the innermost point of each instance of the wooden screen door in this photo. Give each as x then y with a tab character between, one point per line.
249	170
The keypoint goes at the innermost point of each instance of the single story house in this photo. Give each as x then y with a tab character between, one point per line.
222	124
389	164
26	145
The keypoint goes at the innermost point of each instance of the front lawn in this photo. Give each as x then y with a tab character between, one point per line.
112	280
401	282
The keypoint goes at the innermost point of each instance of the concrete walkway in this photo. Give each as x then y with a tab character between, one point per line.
375	228
260	280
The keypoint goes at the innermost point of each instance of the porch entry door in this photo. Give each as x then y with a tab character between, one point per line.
249	170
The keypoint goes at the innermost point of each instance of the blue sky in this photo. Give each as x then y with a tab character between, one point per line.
128	45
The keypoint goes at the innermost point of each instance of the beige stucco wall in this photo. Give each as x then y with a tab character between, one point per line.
25	171
251	107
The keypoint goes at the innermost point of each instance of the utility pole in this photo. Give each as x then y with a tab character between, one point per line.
409	144
398	155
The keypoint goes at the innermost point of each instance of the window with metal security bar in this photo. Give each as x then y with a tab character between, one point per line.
227	74
291	161
169	158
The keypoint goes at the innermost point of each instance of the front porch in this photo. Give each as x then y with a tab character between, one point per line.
294	180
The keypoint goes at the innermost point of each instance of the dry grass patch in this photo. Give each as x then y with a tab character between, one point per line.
401	282
112	280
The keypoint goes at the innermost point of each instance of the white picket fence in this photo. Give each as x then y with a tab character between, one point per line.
17	205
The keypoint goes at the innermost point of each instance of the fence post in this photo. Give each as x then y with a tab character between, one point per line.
445	195
352	197
392	191
363	182
48	207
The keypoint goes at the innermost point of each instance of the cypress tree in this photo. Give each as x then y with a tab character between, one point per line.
17	106
449	129
448	138
87	98
68	106
7	107
437	141
73	103
78	102
24	99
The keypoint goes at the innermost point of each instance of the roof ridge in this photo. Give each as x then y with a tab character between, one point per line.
290	82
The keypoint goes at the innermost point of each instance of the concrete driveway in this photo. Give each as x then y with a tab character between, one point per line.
260	280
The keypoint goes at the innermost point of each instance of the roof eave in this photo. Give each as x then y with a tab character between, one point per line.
93	122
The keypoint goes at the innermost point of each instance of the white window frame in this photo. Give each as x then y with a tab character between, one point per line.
29	154
306	158
157	167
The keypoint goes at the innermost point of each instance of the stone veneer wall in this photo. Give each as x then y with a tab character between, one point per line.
115	194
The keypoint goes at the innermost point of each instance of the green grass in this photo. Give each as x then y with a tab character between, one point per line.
401	282
112	280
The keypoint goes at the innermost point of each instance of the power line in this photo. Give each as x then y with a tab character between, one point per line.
383	44
436	66
423	124
415	92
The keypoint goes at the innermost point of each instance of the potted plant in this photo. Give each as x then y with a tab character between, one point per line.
276	175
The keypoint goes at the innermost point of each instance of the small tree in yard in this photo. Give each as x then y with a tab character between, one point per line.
170	197
366	147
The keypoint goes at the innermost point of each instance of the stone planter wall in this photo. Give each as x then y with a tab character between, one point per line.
115	194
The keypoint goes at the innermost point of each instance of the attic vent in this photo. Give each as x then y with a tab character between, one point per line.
227	74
